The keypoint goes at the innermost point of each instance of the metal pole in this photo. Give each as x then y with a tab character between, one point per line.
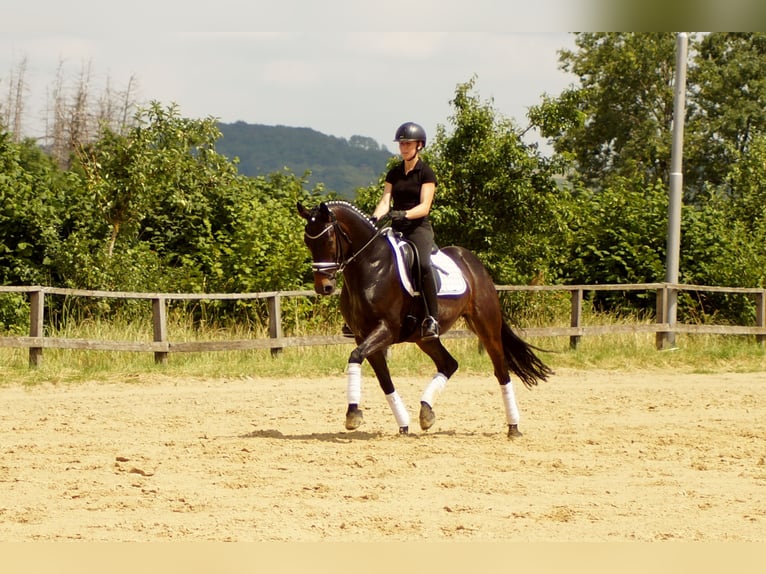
676	185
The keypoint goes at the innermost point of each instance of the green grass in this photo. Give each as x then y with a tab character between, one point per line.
693	353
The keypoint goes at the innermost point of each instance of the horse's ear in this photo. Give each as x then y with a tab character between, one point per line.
302	211
324	210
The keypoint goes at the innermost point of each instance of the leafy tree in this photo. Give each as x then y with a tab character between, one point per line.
717	248
617	121
497	196
30	199
166	162
153	195
615	127
747	174
726	107
619	235
32	212
265	249
169	213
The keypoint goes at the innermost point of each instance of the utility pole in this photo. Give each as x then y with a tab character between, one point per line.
676	188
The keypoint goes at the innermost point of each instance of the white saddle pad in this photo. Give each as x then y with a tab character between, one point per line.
451	278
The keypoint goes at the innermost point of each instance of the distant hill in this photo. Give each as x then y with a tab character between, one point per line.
343	166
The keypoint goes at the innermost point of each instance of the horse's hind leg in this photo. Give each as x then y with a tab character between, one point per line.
490	335
511	409
446	365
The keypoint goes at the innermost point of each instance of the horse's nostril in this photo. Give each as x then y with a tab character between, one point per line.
328	289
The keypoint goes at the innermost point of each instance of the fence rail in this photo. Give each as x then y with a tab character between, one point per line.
162	346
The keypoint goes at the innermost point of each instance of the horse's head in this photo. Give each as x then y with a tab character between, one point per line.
332	228
322	238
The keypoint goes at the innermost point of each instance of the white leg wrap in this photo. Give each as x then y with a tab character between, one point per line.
354	387
434	389
509	401
400	411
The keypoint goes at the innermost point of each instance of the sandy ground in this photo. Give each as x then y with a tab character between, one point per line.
605	457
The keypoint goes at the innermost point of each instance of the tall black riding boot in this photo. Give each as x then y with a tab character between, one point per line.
430	327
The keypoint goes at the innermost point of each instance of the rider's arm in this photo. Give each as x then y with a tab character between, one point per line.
385	202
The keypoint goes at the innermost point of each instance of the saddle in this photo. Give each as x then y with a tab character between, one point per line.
449	278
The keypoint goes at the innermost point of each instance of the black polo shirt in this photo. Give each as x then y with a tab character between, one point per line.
405	189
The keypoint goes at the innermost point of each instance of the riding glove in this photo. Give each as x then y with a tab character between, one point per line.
398	215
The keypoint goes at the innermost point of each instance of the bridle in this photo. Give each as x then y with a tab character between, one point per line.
332	268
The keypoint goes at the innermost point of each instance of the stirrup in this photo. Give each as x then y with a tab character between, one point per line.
346	331
429	329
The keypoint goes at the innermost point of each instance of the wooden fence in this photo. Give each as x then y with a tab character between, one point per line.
162	345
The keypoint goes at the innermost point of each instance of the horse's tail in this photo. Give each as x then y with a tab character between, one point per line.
522	360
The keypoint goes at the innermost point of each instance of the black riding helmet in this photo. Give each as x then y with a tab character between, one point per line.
411	132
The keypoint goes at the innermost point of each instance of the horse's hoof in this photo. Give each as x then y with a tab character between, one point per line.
354	419
427	416
404	430
514	432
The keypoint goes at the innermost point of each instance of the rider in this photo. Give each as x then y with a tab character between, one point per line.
411	185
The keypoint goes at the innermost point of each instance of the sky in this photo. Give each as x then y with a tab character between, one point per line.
340	67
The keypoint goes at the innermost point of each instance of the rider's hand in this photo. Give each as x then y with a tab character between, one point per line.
398	215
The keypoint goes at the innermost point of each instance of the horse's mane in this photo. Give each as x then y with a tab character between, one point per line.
353	209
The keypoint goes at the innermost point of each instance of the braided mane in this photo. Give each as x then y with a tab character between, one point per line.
352	208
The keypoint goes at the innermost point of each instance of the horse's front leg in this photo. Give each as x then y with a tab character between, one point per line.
370	347
380	366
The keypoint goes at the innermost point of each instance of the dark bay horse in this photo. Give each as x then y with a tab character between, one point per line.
380	312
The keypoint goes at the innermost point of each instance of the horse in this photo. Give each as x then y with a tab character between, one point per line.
380	312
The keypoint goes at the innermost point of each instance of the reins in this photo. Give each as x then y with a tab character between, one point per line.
343	265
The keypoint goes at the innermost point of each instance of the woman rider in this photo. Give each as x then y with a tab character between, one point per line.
411	185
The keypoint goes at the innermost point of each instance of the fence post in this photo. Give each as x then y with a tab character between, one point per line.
576	316
275	321
760	314
36	317
160	328
661	337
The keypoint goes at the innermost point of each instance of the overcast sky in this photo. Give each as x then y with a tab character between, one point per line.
340	67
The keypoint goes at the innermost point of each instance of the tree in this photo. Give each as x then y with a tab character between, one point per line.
720	248
364	143
265	249
158	186
497	195
747	194
616	128
618	235
31	190
617	121
727	107
165	162
170	213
